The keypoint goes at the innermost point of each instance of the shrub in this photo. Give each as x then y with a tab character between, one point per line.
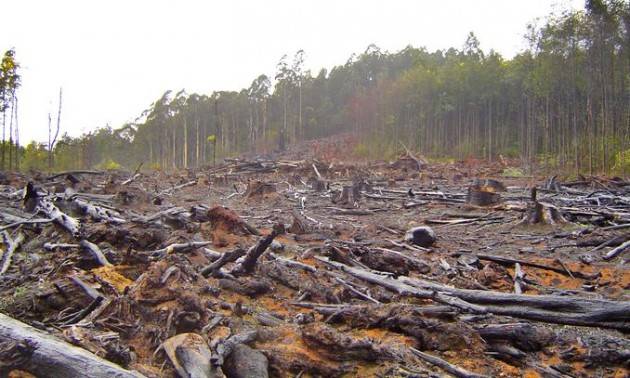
622	162
108	164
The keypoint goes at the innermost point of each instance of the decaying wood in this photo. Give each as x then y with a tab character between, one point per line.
225	258
46	207
98	213
547	308
178	247
617	251
95	251
11	246
190	355
246	264
51	357
444	365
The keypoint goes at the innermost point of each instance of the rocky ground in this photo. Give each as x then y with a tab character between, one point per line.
303	264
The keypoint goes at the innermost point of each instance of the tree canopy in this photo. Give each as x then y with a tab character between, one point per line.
562	102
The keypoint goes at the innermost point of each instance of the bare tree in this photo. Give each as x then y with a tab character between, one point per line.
53	139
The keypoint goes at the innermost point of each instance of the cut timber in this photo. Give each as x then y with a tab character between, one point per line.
524	336
541	213
545	308
299	225
448	367
350	195
98	213
228	220
317	185
12	245
259	189
480	196
617	251
95	251
190	355
246	264
52	357
46	207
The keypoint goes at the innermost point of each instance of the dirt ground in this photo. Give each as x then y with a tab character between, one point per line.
304	301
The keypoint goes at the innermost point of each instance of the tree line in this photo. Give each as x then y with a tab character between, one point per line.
562	103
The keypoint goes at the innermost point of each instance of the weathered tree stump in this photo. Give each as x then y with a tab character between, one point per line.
317	185
299	225
259	189
484	192
542	213
349	196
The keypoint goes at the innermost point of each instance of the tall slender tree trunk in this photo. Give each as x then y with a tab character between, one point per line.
185	152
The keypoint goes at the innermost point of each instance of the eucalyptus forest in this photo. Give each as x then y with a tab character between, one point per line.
564	102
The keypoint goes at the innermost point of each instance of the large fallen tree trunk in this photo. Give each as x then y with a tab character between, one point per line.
48	356
546	308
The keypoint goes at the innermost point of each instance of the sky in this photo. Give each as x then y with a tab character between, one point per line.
114	58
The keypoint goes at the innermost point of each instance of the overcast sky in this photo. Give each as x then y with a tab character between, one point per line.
114	58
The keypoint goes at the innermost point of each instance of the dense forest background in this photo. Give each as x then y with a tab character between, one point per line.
562	103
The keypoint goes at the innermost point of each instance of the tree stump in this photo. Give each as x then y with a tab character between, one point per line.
259	189
350	195
541	213
484	192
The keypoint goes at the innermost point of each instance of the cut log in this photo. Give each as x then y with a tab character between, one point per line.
479	197
246	264
546	308
95	251
46	207
12	245
446	366
190	355
52	357
421	236
98	213
617	251
259	190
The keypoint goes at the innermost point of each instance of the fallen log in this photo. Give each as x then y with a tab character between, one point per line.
190	355
95	251
12	245
177	247
52	357
247	263
546	308
46	207
617	251
98	213
444	365
508	261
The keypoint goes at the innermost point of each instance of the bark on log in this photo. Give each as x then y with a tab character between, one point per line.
51	211
190	355
12	245
53	357
247	263
545	308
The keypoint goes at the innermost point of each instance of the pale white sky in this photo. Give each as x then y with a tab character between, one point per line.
114	58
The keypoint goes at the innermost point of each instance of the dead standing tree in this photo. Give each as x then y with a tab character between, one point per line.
53	139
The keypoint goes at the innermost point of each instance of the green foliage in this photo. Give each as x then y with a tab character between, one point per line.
549	104
108	164
512	172
622	162
35	157
361	151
